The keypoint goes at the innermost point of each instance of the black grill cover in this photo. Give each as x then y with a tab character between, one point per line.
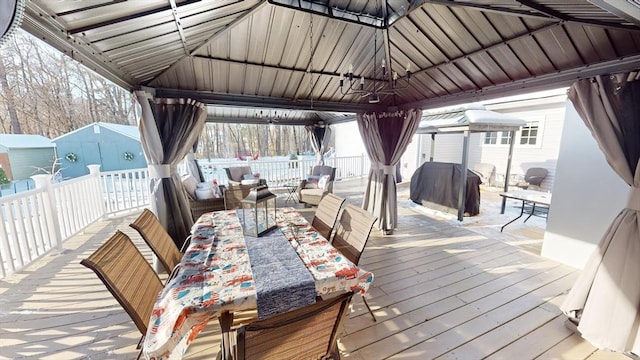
439	183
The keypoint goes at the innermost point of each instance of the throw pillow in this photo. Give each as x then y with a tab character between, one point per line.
248	177
190	184
322	182
312	182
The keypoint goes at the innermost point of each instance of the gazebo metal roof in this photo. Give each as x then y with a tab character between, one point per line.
473	118
289	54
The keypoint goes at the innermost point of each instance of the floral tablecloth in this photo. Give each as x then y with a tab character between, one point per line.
215	276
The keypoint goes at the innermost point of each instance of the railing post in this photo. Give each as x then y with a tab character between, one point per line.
94	171
43	181
361	164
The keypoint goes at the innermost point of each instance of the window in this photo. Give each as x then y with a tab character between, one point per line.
529	134
497	138
491	137
505	138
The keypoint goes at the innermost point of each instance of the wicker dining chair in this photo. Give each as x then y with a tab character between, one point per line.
128	277
326	215
162	245
306	333
352	233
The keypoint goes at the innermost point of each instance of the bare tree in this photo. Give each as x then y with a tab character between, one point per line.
45	92
9	100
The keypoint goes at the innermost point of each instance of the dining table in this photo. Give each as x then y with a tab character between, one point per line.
224	271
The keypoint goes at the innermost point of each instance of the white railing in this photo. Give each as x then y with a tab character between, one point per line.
125	190
282	172
36	221
77	203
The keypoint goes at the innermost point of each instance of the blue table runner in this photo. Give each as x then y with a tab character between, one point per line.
282	281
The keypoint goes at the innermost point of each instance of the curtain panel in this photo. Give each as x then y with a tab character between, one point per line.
320	137
605	300
168	130
386	136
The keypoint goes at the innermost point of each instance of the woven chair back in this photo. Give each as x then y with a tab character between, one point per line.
353	232
152	232
326	215
128	276
306	333
236	173
324	170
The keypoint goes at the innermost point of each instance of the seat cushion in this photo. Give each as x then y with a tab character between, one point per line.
204	193
311	196
251	181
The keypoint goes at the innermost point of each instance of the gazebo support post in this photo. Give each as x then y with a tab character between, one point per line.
433	147
507	174
463	178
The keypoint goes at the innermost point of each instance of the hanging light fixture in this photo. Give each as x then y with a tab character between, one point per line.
389	83
271	118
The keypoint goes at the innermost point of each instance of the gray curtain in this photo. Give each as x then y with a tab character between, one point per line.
605	299
320	135
386	136
168	130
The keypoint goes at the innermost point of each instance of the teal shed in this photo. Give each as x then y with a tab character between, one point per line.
23	155
112	146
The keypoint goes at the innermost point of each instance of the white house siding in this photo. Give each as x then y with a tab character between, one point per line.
549	111
348	141
587	197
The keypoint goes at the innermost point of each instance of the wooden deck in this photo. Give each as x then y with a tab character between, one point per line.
440	292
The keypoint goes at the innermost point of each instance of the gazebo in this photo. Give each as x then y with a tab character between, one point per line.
467	120
384	60
327	56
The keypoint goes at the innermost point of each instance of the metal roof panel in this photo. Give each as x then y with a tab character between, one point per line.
25	141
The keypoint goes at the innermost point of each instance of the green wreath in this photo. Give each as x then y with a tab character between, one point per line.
127	155
71	157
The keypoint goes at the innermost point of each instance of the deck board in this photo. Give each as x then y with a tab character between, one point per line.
440	292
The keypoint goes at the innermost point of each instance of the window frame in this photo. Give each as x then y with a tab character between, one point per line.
518	135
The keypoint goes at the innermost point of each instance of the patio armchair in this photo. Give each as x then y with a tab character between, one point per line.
486	172
352	234
533	178
242	175
316	185
114	263
310	332
198	203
